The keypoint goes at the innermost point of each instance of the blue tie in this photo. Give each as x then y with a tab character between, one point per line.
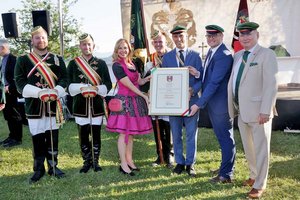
208	56
239	76
181	58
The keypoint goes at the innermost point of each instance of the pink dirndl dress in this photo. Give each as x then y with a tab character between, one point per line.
134	119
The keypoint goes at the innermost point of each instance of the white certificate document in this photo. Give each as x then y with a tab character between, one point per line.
169	91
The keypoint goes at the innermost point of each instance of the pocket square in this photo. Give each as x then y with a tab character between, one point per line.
253	64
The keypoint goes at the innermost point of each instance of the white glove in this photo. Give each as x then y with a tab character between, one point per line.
74	88
61	91
30	91
102	90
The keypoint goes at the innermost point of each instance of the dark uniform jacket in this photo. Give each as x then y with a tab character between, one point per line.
80	104
34	106
9	74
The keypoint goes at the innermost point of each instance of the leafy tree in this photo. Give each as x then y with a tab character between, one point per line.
71	27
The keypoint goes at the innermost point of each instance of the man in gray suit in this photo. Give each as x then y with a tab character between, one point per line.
252	90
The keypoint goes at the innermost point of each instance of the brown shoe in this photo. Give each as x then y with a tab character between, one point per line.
255	193
249	182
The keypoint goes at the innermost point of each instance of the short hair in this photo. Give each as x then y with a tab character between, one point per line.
3	42
115	56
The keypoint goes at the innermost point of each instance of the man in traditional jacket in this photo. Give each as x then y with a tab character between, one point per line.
41	78
159	43
89	82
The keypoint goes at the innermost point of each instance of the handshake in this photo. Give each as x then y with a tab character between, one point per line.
48	95
89	91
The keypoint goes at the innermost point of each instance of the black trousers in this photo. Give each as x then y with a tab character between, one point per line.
13	117
165	136
86	144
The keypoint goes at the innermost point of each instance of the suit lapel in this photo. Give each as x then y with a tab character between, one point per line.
187	57
250	60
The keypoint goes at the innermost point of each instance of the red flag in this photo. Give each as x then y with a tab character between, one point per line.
242	16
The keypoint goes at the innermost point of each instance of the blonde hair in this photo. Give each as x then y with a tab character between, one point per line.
115	56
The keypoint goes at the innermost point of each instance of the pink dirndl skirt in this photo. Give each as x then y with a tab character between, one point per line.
133	120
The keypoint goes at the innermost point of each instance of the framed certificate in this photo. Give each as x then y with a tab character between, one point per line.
169	91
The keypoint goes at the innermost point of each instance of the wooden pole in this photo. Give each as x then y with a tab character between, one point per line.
160	148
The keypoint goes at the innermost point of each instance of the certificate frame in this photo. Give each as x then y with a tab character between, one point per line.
169	91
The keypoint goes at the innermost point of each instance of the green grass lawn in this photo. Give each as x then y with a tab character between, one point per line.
149	183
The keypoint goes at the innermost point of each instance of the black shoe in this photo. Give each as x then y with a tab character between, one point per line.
134	169
178	169
191	170
5	141
58	172
86	167
169	165
37	176
127	173
220	179
12	143
97	167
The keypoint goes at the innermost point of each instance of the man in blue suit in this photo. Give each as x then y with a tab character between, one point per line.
182	56
215	77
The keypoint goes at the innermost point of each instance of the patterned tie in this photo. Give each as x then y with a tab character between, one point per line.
181	58
239	76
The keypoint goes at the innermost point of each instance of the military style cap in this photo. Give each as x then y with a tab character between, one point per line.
156	33
85	36
247	27
178	29
37	29
213	29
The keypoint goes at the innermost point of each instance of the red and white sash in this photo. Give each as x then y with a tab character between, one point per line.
42	67
88	71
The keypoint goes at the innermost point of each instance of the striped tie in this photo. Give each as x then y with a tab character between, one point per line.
239	76
181	58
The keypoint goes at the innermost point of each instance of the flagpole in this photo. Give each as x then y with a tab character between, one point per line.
144	27
148	54
61	35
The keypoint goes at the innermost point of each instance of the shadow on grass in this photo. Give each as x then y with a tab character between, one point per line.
110	183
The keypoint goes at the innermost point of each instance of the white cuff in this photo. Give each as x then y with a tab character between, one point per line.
102	90
197	75
74	88
61	91
31	91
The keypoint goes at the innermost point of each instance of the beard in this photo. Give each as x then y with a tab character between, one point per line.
41	46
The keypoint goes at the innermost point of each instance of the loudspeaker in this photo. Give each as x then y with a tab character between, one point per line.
10	25
41	18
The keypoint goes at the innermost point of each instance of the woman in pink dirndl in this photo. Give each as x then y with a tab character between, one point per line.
133	119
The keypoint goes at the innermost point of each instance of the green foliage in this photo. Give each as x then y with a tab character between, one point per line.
150	182
71	27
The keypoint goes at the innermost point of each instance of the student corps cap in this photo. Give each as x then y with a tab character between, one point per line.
85	36
178	29
247	27
37	29
213	29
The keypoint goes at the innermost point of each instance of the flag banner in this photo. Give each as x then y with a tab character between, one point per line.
137	35
242	16
276	18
